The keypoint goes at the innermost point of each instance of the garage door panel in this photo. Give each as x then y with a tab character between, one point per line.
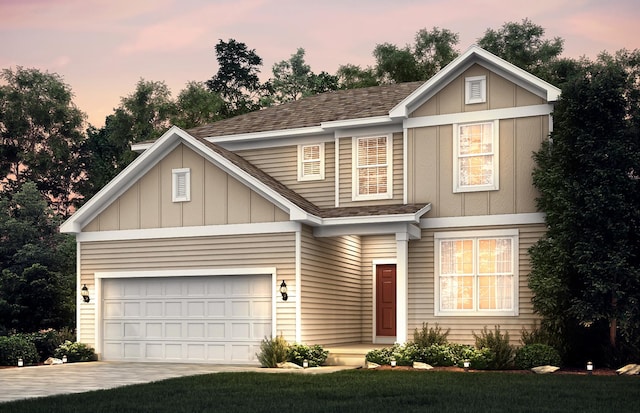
218	319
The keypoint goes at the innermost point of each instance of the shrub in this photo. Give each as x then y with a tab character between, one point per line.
533	355
315	355
404	355
273	351
499	346
47	341
437	355
17	346
427	337
75	352
537	335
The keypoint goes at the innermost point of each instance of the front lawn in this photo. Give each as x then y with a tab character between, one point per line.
356	391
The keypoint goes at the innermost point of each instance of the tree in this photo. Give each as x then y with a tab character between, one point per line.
586	270
196	106
237	79
432	51
293	79
522	44
40	135
37	264
353	77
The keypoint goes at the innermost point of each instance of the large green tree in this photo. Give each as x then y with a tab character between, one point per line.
40	135
586	270
37	264
196	105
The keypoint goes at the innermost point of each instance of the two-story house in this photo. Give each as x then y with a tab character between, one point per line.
370	210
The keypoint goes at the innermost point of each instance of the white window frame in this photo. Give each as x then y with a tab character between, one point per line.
356	196
495	152
176	175
439	237
302	161
469	82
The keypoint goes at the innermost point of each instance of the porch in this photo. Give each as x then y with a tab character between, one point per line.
350	354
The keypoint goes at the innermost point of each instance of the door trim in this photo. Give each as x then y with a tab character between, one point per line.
374	264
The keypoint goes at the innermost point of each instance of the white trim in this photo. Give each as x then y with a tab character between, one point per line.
79	300
412	231
370	131
479	116
355	185
514	235
336	165
274	143
176	175
374	263
495	153
356	123
301	162
186	232
402	288
298	275
280	133
483	220
405	165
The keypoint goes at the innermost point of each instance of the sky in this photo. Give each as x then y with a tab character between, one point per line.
102	48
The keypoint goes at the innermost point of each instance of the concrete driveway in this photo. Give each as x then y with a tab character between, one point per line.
39	381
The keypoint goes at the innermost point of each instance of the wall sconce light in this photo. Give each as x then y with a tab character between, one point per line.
589	368
283	291
467	364
84	292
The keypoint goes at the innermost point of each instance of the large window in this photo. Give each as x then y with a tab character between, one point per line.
476	273
475	157
311	162
372	172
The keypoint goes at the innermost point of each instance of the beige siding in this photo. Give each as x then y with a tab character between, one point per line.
282	164
346	174
331	284
273	250
430	170
216	198
421	291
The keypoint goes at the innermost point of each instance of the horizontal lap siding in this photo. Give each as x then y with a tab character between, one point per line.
270	250
330	300
421	291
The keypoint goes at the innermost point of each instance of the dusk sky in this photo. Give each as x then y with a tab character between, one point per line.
101	48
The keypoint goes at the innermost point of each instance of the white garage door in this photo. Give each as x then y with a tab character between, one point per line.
217	319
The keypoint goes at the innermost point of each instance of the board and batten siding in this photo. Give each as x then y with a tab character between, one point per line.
224	252
216	199
330	289
422	283
282	164
346	174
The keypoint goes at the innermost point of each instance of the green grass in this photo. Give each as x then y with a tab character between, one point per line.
356	391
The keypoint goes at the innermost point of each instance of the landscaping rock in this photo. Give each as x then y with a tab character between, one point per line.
372	365
52	360
545	369
288	365
629	370
421	366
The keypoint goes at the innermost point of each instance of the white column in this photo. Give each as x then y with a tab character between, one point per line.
402	286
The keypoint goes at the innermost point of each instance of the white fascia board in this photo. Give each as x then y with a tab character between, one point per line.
281	133
118	185
362	229
357	123
276	143
141	147
483	220
205	272
479	116
378	219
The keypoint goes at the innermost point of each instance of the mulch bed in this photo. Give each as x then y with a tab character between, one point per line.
596	372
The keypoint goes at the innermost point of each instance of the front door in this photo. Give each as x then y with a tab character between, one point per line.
386	300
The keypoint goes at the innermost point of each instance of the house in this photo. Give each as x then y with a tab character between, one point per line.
348	217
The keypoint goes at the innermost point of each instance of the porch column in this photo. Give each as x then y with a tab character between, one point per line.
402	286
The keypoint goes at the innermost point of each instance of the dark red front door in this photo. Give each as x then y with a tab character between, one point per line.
386	300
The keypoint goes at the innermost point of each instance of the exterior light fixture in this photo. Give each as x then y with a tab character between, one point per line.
283	291
84	292
305	363
393	362
20	362
467	364
589	368
64	359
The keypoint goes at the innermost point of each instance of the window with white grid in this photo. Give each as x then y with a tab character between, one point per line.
372	172
311	162
476	273
475	157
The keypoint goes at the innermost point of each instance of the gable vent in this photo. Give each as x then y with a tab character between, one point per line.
475	90
181	185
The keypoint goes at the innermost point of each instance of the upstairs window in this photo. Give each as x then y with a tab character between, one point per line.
372	172
181	185
475	90
475	157
311	162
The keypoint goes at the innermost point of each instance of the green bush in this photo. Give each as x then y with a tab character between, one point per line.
75	352
533	355
404	355
437	355
315	354
427	337
47	341
479	359
273	351
499	345
17	346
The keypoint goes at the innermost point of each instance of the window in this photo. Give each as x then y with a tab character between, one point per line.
311	162
475	157
181	185
476	273
475	90
372	172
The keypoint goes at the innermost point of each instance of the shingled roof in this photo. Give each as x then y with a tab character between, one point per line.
313	110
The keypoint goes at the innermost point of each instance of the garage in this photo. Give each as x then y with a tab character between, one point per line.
201	319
